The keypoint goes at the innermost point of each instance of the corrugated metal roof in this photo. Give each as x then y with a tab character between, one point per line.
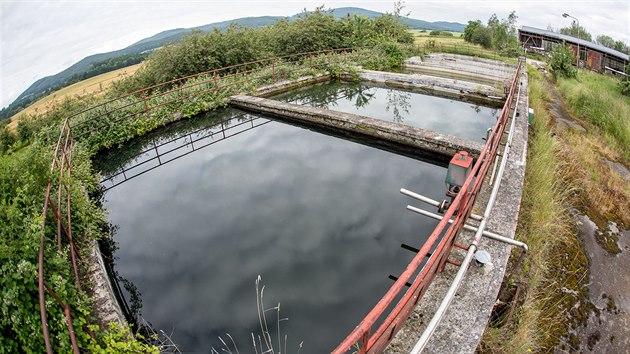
581	42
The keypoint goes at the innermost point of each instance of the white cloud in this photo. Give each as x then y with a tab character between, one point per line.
40	38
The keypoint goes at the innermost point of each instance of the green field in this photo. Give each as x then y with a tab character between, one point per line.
95	85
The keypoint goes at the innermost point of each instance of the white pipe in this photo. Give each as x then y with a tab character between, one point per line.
468	227
437	317
430	201
494	169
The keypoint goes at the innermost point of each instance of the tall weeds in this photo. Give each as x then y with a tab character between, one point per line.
597	100
555	258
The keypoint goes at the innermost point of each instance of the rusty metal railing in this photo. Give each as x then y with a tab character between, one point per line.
59	183
212	81
378	341
61	163
191	142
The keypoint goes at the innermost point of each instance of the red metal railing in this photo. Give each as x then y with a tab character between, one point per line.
377	342
61	165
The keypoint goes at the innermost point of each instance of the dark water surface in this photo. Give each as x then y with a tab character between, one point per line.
442	115
319	218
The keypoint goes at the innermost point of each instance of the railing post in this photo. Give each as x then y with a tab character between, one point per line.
214	77
144	98
273	69
364	342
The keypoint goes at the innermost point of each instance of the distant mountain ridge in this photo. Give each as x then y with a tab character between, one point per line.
44	85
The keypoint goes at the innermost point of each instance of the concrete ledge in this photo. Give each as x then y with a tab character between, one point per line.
105	305
455	74
288	85
464	63
438	86
396	133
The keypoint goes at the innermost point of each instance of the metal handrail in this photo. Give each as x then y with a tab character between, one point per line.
462	204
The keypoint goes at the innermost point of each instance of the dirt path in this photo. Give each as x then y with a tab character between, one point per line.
602	318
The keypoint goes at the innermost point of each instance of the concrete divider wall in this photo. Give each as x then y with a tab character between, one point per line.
405	135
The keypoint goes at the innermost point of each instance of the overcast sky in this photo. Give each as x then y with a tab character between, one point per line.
41	38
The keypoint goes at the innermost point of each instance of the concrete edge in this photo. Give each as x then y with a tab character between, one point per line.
437	86
418	138
462	327
105	305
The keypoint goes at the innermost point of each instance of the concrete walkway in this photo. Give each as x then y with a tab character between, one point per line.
463	325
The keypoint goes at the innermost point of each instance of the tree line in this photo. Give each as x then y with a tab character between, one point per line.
311	31
496	34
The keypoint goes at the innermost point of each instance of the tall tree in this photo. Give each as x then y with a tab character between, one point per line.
576	31
606	41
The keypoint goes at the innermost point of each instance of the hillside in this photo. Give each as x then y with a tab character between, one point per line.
47	84
94	85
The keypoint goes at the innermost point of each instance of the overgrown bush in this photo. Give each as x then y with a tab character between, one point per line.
498	34
7	139
561	62
312	31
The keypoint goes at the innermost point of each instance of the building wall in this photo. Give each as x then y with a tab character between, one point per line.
594	60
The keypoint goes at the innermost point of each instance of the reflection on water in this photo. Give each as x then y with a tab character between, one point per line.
442	115
320	218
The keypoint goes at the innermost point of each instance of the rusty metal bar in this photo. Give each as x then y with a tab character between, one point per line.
40	277
463	202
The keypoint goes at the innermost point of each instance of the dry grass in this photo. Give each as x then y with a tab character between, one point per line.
94	85
599	191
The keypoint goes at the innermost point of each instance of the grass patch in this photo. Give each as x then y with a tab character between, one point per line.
598	191
553	271
597	99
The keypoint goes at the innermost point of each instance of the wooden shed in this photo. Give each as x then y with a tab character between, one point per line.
592	55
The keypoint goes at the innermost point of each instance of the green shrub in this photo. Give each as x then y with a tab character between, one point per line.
561	62
7	139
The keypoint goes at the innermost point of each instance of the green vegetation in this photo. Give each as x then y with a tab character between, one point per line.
82	90
625	82
95	69
576	31
561	62
498	34
27	154
312	31
441	33
556	259
565	169
596	99
596	103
